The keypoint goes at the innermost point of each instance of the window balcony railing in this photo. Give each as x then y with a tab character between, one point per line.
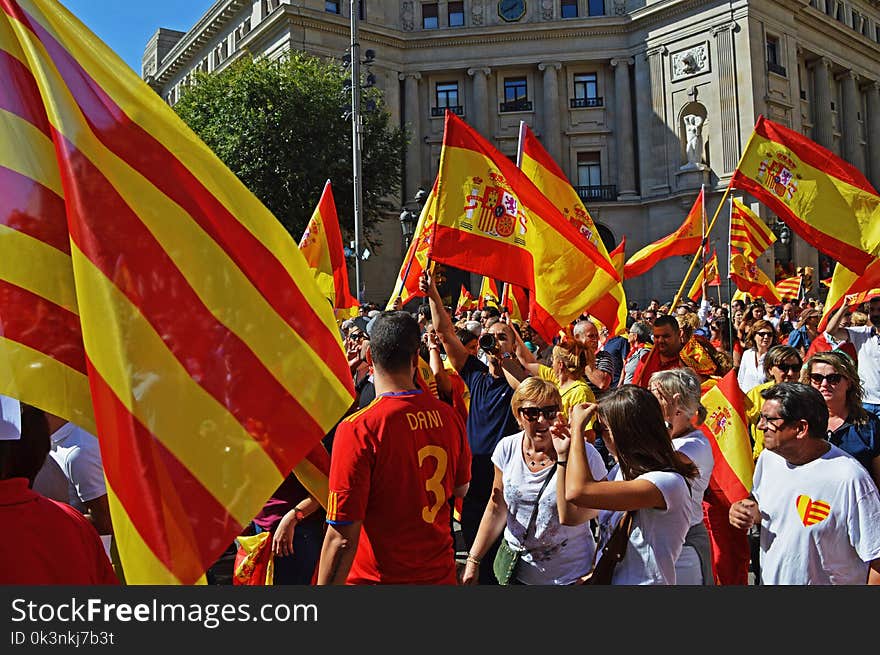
604	192
581	103
516	105
776	68
441	111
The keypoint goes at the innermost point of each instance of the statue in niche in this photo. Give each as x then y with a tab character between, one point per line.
476	12
406	16
693	125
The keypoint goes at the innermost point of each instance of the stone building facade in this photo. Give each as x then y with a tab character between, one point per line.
640	102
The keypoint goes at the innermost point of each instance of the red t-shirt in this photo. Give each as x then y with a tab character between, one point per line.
650	363
394	466
46	542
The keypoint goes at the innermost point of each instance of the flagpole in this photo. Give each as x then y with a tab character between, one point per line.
729	278
697	254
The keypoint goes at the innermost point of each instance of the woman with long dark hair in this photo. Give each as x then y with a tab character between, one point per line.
649	478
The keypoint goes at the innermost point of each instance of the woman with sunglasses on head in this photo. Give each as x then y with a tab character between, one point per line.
852	429
679	394
555	549
650	478
719	334
761	337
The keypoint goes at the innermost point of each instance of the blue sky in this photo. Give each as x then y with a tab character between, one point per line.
127	25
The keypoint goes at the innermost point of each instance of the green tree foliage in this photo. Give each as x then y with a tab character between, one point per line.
281	127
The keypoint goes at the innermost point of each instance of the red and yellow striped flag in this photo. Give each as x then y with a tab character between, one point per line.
710	274
492	219
728	433
466	302
684	241
198	317
747	231
749	278
540	168
826	200
789	288
516	301
406	286
321	245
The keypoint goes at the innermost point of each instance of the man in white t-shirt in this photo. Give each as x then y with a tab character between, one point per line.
75	455
818	508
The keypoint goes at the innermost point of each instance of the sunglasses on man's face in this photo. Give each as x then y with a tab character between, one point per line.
531	413
358	336
831	378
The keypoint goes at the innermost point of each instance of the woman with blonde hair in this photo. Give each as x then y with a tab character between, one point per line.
850	427
650	478
679	392
556	548
761	337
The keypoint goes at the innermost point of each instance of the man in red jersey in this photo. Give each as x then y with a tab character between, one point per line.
402	458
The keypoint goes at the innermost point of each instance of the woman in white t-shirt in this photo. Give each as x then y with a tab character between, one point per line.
679	394
553	551
761	337
649	478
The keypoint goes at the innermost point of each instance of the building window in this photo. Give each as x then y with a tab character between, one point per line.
589	169
331	7
446	94
774	56
595	7
516	95
430	16
456	14
362	10
586	91
568	8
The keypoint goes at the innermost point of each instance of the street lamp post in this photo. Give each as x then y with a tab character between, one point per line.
409	218
356	143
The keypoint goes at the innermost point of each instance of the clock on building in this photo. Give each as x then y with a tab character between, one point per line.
511	10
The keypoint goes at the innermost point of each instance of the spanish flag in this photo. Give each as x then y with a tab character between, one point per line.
321	245
466	302
540	168
727	430
710	274
514	298
489	296
749	278
148	296
618	256
684	241
747	231
492	219
414	265
826	200
845	283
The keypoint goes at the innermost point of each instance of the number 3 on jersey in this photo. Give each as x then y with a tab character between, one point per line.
434	484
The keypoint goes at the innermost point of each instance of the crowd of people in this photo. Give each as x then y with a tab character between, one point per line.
536	460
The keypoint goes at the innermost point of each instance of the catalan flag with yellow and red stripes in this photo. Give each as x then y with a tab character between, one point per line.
539	166
148	296
789	288
747	231
321	245
492	219
709	273
684	241
406	286
846	283
826	200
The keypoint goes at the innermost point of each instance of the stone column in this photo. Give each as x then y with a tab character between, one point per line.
626	170
658	169
412	115
823	133
872	125
552	128
730	136
852	105
480	119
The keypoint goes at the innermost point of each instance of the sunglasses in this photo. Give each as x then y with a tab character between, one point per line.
769	419
788	368
531	413
359	336
832	378
764	335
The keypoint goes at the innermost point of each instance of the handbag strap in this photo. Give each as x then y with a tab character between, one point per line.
534	516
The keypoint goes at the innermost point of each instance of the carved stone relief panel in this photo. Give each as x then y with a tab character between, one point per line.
477	12
690	62
407	16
